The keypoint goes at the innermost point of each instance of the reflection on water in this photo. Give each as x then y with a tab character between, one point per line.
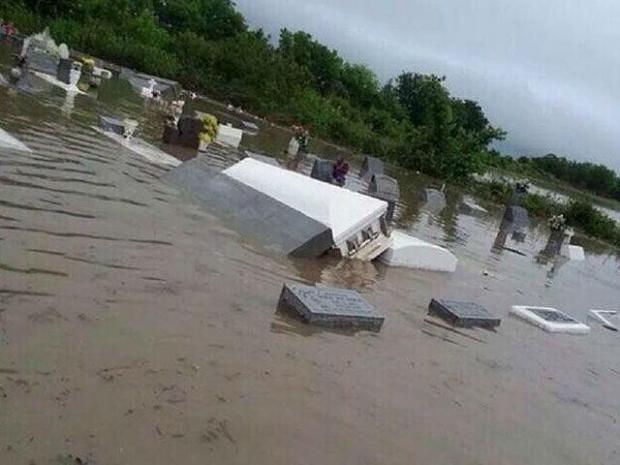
115	288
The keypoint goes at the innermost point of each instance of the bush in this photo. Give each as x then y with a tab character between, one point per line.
583	215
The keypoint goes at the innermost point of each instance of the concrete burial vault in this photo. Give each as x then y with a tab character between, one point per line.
288	212
335	308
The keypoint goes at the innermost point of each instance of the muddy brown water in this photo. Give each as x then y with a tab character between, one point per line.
137	329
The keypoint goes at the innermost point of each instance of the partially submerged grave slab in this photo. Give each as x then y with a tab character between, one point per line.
410	252
357	221
228	135
9	142
335	308
470	207
275	225
463	314
550	319
261	158
140	147
608	318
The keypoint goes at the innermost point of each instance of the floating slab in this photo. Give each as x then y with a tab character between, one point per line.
278	227
463	314
142	148
550	319
334	308
55	82
262	158
410	252
608	318
469	207
357	221
166	88
7	141
228	135
370	166
250	128
573	252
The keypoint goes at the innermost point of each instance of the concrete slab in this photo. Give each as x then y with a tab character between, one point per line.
573	252
336	308
463	314
261	158
410	252
278	227
55	82
550	319
228	135
140	147
7	141
608	318
345	212
470	207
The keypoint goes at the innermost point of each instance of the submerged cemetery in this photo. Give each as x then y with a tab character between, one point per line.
217	283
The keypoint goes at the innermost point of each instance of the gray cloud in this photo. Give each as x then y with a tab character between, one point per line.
547	72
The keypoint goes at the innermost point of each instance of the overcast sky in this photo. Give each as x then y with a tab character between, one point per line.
546	71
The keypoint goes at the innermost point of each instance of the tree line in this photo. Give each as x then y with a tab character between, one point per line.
207	46
294	79
595	178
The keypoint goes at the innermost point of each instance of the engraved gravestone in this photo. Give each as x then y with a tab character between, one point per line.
463	314
336	308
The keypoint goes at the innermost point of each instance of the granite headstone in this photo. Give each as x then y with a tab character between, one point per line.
463	314
335	308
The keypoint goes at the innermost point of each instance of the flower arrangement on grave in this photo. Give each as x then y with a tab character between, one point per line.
209	129
557	222
302	135
522	186
88	63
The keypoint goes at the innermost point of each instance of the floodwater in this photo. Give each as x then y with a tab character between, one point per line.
137	329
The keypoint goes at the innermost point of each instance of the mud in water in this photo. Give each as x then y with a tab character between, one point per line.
137	329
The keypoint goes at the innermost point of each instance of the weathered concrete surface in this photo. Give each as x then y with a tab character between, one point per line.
463	314
251	213
411	252
550	319
9	142
335	308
